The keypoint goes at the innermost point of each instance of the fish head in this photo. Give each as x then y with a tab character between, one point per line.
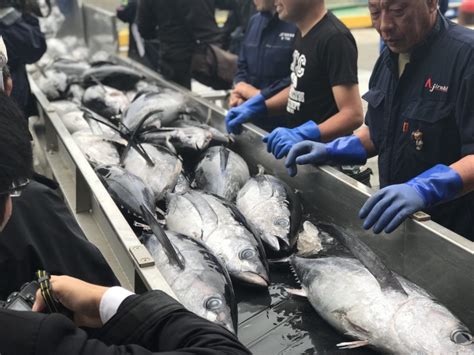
251	268
424	324
303	269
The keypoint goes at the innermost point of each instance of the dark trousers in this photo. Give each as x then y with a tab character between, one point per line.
177	70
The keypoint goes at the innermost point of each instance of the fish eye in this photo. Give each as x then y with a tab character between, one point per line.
461	337
213	303
247	254
282	222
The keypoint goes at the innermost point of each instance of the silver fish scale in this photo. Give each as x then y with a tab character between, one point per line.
203	279
96	149
203	216
264	204
162	177
348	296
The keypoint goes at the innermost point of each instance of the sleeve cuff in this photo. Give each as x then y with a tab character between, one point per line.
111	301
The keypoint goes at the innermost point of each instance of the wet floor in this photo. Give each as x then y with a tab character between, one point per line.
272	322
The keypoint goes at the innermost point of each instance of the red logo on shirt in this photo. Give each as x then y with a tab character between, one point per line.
435	87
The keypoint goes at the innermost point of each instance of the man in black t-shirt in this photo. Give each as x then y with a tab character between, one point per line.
323	100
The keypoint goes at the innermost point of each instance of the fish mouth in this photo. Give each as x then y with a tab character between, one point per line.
254	279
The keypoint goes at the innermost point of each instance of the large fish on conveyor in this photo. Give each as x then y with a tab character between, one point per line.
163	172
106	101
133	196
53	84
117	76
203	286
221	172
155	109
366	301
273	209
223	229
74	69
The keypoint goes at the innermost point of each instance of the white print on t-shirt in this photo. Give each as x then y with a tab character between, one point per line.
286	36
296	98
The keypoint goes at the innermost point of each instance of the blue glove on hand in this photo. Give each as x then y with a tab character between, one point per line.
345	150
281	140
237	116
389	207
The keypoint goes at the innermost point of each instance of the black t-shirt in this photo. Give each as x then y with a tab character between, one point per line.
325	57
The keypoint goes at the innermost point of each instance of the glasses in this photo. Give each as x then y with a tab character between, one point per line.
16	187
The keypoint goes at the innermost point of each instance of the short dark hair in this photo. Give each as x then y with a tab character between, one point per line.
16	156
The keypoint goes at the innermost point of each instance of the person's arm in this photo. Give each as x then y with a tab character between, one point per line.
465	169
349	117
276	104
146	19
24	40
363	133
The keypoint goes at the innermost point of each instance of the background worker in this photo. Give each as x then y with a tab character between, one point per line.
265	58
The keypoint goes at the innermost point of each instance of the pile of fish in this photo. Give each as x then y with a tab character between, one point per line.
209	224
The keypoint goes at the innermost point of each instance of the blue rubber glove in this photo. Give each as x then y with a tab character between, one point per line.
252	108
389	207
281	140
345	150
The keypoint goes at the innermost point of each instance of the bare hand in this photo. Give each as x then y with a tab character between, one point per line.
245	91
235	100
82	298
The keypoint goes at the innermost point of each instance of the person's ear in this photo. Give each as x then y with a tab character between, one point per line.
433	5
7	213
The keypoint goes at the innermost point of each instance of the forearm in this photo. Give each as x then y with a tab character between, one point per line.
341	124
276	105
363	133
465	168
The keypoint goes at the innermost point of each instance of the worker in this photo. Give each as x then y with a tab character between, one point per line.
323	100
265	58
420	121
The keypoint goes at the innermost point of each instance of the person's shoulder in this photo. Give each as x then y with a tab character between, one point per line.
460	35
331	28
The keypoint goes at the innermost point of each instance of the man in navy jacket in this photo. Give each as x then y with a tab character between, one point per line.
265	58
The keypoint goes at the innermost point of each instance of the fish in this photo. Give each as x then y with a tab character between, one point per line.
203	286
106	101
53	84
133	196
273	208
154	109
223	229
97	149
365	300
218	138
75	122
162	176
63	107
75	93
116	76
74	69
221	172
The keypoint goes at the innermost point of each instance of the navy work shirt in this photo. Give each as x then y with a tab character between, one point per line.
426	117
266	53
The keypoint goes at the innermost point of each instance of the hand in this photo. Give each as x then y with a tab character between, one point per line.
281	140
237	116
389	207
235	100
82	298
303	153
245	91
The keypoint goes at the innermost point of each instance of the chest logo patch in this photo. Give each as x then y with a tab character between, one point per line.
286	36
296	98
432	87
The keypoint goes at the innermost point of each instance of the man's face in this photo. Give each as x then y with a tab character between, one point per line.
403	23
264	5
292	10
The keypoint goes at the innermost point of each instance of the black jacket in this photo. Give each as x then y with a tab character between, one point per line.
25	44
178	24
42	234
148	324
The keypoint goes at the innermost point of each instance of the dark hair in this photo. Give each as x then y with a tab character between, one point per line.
16	157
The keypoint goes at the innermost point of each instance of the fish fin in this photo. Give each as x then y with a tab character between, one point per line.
261	170
297	292
353	344
174	256
224	157
295	274
384	276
